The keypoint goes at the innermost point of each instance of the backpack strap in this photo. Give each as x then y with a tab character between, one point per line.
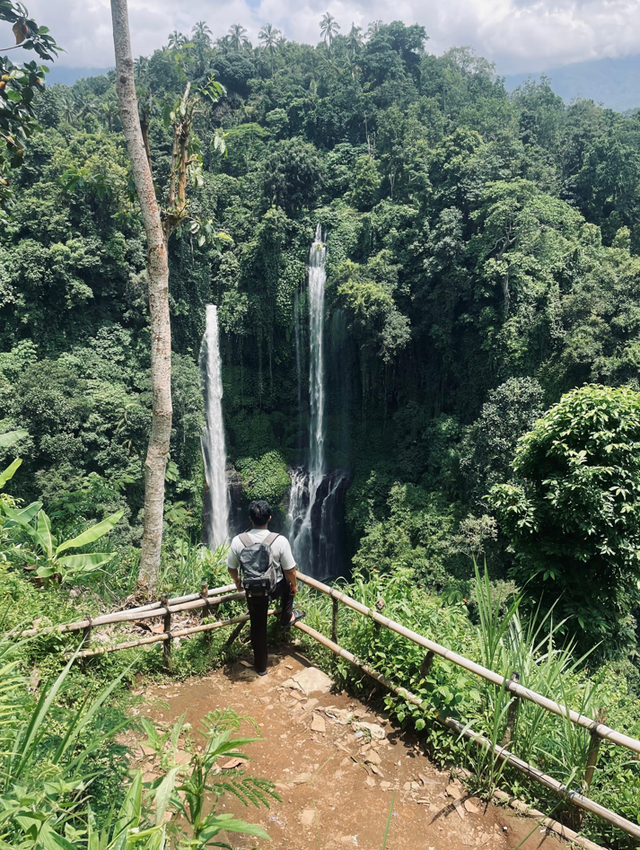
269	539
245	539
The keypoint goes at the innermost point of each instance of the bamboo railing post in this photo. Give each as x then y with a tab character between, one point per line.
166	647
334	621
512	714
234	634
425	667
206	611
594	748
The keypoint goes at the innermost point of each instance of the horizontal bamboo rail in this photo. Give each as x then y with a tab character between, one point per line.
514	687
163	636
501	752
145	612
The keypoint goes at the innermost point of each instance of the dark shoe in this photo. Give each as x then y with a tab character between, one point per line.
297	615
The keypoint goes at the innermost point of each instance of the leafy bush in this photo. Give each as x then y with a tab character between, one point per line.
265	477
574	520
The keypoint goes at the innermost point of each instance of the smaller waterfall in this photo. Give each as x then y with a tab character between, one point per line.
212	441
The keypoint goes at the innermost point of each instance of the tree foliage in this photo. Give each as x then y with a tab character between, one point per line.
574	516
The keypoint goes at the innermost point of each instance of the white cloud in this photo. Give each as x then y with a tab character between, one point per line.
519	35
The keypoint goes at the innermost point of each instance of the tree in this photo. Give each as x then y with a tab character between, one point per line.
329	27
158	290
201	39
177	40
238	37
18	87
573	513
269	36
354	40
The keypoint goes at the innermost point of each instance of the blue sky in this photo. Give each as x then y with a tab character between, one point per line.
518	35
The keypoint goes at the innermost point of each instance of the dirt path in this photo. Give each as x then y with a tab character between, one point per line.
337	784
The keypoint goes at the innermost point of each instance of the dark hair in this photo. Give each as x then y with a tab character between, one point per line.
260	512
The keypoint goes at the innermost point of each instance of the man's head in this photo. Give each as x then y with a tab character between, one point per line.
259	513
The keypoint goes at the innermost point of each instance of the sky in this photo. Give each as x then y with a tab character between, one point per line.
518	35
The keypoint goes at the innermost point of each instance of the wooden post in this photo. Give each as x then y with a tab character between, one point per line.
512	714
594	747
425	667
592	758
334	622
166	646
234	634
206	611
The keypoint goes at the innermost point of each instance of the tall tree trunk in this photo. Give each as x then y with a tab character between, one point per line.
158	287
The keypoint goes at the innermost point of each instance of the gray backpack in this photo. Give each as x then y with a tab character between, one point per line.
259	572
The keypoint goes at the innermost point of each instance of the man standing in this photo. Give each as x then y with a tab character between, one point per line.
286	585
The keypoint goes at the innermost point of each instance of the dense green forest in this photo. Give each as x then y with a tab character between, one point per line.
483	271
482	261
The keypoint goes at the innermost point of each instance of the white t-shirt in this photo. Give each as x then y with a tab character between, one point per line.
280	549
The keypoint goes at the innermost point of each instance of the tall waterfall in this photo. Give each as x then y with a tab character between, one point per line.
317	495
213	447
317	280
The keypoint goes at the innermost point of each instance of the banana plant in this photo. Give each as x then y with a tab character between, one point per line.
48	554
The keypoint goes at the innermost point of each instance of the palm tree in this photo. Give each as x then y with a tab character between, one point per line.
328	27
202	43
224	44
268	35
201	34
373	28
177	39
354	39
238	36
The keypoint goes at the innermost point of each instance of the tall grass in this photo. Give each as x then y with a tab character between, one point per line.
502	640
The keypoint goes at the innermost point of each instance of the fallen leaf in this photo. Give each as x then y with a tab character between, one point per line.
232	763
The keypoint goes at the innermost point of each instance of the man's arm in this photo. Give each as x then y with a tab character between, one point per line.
290	576
288	564
232	566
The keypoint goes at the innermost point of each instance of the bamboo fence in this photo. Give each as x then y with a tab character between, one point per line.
210	599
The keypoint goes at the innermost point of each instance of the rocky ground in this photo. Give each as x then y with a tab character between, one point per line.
338	766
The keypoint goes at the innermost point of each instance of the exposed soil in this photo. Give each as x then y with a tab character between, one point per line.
337	785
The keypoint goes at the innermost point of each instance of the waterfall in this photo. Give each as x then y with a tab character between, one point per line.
212	441
316	501
317	280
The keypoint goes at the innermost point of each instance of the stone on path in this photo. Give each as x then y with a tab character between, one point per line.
307	817
310	681
372	728
318	724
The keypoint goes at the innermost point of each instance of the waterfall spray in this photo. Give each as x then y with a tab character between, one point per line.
212	441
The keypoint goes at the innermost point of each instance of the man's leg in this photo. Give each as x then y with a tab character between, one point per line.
287	603
258	608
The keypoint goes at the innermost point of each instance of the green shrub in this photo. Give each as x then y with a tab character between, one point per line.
265	477
573	514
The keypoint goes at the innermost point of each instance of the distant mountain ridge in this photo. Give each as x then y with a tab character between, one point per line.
68	76
612	82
